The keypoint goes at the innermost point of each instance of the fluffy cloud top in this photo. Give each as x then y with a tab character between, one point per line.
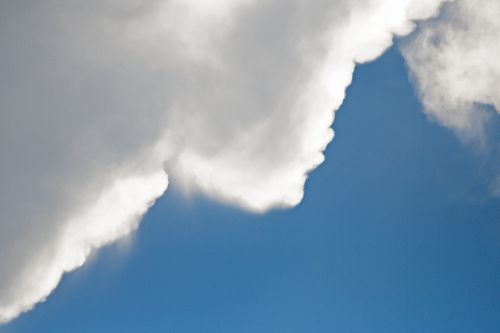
100	100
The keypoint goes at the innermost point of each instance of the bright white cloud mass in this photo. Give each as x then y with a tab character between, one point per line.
101	100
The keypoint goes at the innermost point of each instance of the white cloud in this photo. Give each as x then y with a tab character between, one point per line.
114	214
454	61
234	99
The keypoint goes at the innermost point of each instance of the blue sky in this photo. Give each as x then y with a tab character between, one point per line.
397	232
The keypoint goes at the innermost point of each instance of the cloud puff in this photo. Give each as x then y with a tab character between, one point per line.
100	100
454	61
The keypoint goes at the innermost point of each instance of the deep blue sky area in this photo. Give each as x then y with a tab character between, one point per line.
396	233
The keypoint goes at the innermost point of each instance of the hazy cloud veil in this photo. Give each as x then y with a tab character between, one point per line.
454	61
101	100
